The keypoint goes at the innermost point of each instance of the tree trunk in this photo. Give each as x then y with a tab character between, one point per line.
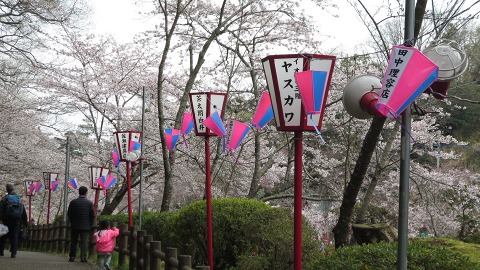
342	229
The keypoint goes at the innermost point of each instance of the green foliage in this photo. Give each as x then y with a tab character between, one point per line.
247	234
473	238
421	254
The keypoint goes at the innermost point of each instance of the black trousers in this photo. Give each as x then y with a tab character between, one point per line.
12	235
74	234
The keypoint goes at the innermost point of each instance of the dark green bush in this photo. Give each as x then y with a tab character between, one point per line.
382	256
473	238
247	234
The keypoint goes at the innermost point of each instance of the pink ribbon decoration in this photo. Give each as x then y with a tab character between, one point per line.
187	126
115	158
171	137
31	188
215	124
134	146
264	112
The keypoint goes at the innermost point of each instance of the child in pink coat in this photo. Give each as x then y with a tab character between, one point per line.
105	238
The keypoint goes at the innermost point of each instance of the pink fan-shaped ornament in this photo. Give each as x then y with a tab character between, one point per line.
187	126
73	183
408	74
312	86
264	112
237	131
215	124
171	137
54	185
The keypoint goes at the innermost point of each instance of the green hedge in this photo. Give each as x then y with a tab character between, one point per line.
421	255
247	234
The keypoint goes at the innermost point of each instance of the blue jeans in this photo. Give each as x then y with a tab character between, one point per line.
104	259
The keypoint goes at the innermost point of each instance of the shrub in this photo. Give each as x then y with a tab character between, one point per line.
383	256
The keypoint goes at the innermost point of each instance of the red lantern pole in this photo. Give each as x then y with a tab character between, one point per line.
48	206
129	192
297	202
208	191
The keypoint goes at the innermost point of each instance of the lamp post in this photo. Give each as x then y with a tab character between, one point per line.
289	116
203	104
48	179
30	191
129	150
94	173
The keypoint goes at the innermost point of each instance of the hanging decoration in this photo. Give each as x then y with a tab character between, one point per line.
215	124
187	126
73	183
264	111
171	137
408	74
235	134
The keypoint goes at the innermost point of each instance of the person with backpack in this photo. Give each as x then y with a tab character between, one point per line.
105	239
14	216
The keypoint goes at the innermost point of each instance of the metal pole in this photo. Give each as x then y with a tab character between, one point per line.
48	206
405	155
297	202
67	175
95	204
140	199
208	191
129	192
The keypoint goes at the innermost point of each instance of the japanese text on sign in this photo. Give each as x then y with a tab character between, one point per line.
396	66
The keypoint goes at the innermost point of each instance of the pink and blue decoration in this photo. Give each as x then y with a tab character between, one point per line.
312	86
171	137
106	182
73	183
54	185
408	75
187	126
38	186
237	131
264	112
215	124
134	146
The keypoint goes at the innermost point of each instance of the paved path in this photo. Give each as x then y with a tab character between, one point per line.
27	260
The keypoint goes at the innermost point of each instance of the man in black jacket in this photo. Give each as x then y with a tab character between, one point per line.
80	214
14	224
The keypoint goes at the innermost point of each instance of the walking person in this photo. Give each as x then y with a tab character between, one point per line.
80	214
14	216
105	238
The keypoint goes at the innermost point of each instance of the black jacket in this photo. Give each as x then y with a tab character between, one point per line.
3	213
80	214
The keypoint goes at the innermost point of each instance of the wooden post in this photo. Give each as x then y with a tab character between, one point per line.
43	243
155	262
91	239
62	237
170	253
184	261
140	261
146	251
132	246
123	244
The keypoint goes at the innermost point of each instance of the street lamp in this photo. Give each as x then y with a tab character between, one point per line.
203	105
49	178
287	106
30	191
94	173
129	150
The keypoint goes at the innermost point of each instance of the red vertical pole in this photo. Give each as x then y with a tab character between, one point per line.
95	204
297	201
208	191
48	206
29	209
129	192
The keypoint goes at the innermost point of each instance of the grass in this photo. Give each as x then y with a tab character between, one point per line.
470	250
